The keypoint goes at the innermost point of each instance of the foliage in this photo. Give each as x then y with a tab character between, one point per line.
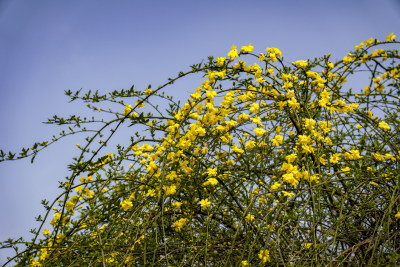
269	163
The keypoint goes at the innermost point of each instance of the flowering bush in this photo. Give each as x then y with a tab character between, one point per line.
267	163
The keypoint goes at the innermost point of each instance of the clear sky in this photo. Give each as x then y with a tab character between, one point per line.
47	47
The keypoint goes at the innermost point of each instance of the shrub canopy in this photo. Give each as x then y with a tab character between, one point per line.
267	162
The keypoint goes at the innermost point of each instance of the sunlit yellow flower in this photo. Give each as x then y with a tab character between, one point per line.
390	37
211	181
247	49
278	140
384	126
212	171
179	224
233	53
287	194
264	256
259	131
221	61
126	204
346	169
397	216
300	63
275	186
204	203
249	218
170	190
177	204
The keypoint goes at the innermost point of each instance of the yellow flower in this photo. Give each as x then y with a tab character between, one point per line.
287	194
127	109
204	203
261	57
212	172
290	179
177	204
300	63
249	218
334	158
179	224
397	216
291	158
346	169
384	126
34	263
259	131
69	205
264	255
358	47
275	186
273	53
307	245
369	42
221	61
237	150
170	190
254	108
126	204
247	49
278	140
46	231
233	53
390	37
151	193
211	181
250	144
244	263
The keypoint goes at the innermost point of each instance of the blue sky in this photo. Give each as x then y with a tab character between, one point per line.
51	46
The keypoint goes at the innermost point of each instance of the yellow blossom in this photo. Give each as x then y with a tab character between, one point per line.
259	131
126	204
369	42
247	49
148	91
250	144
307	245
290	158
211	181
233	53
179	224
290	179
384	126
204	203
390	37
170	190
212	172
275	186
346	169
287	194
249	218
300	63
264	256
334	158
177	204
278	140
221	61
397	216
